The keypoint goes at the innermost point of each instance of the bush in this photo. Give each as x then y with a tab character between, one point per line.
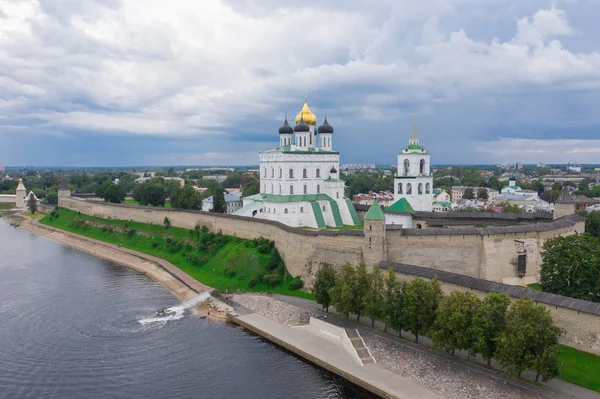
131	232
78	223
296	284
167	222
252	282
263	248
173	245
271	279
155	244
229	271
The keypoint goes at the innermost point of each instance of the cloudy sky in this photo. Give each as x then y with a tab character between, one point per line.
154	82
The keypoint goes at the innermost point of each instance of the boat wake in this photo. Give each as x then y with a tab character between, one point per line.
176	312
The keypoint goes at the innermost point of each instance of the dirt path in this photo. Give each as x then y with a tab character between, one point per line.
175	280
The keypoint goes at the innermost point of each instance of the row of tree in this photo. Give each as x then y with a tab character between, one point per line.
519	335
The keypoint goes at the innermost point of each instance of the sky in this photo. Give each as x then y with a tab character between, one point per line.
179	82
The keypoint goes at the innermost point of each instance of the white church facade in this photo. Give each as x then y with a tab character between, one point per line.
414	180
300	181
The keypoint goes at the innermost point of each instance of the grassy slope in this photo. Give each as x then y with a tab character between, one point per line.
246	261
7	205
535	286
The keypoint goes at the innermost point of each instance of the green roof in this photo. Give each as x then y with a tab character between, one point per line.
402	205
330	180
375	212
414	147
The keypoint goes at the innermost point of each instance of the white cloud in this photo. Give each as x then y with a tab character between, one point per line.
181	68
548	151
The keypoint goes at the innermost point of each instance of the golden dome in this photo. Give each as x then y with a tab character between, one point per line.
307	115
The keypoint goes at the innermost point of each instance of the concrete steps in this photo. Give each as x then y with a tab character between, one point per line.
359	346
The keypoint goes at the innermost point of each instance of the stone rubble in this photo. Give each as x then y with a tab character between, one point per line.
278	311
445	377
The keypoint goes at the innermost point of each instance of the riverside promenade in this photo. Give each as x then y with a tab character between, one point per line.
330	356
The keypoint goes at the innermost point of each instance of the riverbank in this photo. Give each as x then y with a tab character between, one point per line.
179	283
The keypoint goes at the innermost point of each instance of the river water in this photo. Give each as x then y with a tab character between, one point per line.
70	328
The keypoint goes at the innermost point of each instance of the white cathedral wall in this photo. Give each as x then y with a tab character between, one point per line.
346	216
399	220
414	164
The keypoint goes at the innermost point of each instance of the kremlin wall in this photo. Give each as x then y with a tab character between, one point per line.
464	258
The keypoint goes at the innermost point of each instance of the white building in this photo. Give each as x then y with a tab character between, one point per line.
299	180
414	180
233	201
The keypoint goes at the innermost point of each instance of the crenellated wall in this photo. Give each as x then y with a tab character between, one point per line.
486	253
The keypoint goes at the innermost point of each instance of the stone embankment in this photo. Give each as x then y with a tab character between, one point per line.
278	311
442	376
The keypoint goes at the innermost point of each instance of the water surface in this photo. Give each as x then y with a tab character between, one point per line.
70	328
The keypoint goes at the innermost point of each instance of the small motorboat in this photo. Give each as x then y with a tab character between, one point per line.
202	316
161	312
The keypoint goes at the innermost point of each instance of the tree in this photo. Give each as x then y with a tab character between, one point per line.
32	204
341	293
252	187
51	197
452	328
186	198
114	193
530	340
507	207
375	297
395	306
324	282
571	267
482	193
422	299
390	284
152	194
219	204
488	322
360	290
100	190
592	222
469	193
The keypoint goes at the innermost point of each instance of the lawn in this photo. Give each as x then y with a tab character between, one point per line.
36	215
580	368
181	247
7	205
535	286
134	202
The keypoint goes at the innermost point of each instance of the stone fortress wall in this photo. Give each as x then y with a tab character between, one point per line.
487	253
463	259
579	319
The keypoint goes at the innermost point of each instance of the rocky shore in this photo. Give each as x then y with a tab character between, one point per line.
278	311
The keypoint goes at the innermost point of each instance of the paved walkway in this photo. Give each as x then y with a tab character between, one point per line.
335	358
556	388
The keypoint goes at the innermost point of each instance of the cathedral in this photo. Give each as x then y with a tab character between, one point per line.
300	180
414	180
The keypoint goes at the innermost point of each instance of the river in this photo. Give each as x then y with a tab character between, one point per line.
70	328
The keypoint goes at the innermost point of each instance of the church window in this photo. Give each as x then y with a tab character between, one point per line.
337	194
272	188
285	210
265	172
272	173
323	207
427	188
291	173
406	167
408	188
264	188
280	189
318	189
280	173
370	229
304	173
420	188
399	188
422	167
318	172
419	226
305	189
291	190
301	209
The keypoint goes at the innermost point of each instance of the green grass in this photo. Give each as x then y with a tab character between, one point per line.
535	286
236	253
347	227
7	205
134	202
580	368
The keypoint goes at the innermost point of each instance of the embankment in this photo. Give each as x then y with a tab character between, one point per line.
178	282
